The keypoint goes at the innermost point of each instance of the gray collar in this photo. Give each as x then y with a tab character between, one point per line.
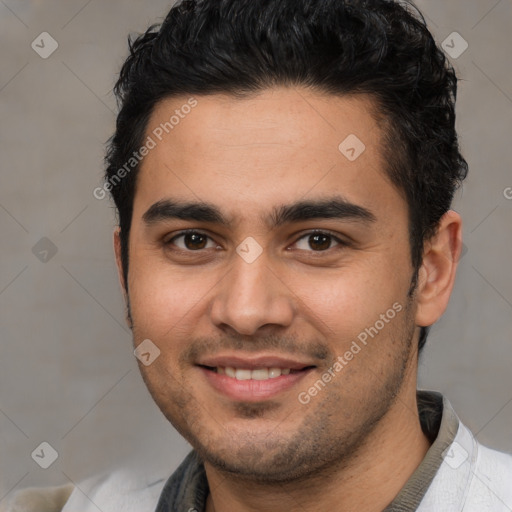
440	424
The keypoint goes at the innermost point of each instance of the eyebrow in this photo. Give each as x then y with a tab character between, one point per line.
331	208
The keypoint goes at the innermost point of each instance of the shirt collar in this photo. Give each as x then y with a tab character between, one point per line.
440	424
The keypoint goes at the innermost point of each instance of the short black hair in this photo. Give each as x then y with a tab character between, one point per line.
379	48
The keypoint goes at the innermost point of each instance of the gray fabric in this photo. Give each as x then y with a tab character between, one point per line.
187	488
440	424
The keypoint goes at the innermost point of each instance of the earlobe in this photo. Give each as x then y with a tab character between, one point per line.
437	273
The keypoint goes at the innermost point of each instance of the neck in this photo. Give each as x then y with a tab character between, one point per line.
367	483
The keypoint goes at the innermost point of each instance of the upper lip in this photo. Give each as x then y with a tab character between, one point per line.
253	362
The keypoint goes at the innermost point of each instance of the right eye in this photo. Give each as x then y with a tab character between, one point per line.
191	240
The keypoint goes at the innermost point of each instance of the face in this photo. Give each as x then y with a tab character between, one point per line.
271	269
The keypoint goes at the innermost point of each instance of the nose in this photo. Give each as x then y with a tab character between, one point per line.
252	296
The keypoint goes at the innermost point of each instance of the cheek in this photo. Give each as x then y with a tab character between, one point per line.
162	299
341	303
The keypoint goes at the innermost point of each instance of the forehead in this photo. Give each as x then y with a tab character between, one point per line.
274	147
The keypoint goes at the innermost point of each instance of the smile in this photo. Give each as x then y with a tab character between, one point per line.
253	385
256	374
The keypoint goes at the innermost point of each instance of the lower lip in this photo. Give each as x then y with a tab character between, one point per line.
252	390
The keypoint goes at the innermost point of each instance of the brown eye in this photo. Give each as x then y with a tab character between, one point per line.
192	241
318	242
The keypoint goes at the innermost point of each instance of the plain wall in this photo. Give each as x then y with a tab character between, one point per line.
67	372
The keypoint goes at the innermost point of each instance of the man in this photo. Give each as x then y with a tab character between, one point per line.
283	172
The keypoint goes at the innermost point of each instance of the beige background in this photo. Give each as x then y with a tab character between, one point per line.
67	373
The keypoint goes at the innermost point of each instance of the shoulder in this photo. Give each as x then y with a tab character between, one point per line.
39	499
493	476
471	477
123	490
484	475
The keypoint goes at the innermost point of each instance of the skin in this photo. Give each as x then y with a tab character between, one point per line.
355	444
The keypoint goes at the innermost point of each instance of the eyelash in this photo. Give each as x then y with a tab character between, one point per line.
334	238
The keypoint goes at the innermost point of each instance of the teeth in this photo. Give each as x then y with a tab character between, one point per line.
274	372
242	374
258	374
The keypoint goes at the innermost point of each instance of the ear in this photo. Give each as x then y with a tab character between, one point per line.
119	263
437	273
119	260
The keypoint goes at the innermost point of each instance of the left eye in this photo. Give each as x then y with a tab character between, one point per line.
192	241
317	242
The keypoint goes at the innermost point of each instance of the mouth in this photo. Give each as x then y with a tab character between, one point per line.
256	374
253	380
